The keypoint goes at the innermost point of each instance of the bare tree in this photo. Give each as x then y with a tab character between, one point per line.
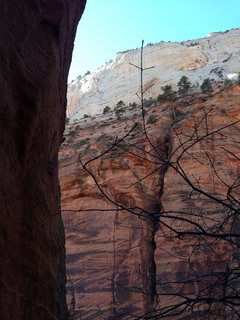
197	229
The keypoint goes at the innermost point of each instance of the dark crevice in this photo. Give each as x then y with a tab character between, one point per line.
163	153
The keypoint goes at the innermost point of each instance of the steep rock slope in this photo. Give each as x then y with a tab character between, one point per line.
215	56
121	264
35	52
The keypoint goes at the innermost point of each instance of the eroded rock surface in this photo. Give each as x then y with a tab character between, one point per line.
122	264
35	53
216	57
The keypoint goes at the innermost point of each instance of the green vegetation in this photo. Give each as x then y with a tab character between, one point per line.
72	133
132	105
81	143
167	95
152	119
206	86
218	71
67	120
238	80
184	85
106	109
120	104
179	115
119	110
148	102
227	83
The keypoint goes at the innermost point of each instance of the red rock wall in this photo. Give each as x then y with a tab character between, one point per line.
36	42
211	163
121	265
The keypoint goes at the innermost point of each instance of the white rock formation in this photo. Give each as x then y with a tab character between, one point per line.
119	80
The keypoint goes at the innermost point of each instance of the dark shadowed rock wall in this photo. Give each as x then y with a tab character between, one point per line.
36	42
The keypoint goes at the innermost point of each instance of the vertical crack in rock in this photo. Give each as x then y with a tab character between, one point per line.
163	150
148	244
141	258
148	265
113	286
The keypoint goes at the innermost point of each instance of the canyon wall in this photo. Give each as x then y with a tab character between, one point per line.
126	254
35	52
216	56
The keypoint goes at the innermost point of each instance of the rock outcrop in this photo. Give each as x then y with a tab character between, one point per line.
122	265
35	52
216	56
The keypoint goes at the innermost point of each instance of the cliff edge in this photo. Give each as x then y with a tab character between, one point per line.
216	57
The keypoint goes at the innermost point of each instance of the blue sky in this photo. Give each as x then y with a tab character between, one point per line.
110	26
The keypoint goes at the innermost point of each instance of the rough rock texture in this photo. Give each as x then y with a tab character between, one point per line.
212	165
215	56
35	53
120	264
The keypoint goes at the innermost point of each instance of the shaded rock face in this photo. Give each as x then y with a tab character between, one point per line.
35	53
122	264
215	56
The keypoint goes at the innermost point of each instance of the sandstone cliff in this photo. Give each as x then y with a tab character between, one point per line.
127	260
216	56
35	52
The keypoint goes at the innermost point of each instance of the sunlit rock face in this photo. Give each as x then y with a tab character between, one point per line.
214	56
121	264
35	52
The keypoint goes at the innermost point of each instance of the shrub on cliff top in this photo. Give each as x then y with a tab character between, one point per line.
184	85
167	95
238	80
206	86
106	109
120	104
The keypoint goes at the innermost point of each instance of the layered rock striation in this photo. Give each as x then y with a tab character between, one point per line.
35	52
131	213
216	57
